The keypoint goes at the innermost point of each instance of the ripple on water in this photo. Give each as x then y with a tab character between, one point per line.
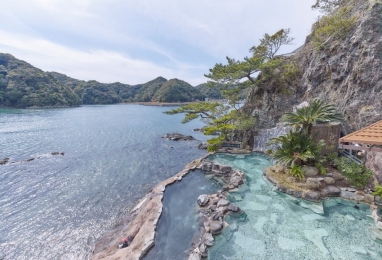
56	207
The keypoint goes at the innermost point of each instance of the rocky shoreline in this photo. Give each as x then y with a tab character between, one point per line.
141	222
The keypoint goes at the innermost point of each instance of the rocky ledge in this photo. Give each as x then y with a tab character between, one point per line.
212	208
178	137
140	224
315	187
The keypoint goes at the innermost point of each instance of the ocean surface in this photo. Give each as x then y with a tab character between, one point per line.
57	206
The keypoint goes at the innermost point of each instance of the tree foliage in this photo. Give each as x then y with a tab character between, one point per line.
316	112
238	74
221	120
296	148
270	44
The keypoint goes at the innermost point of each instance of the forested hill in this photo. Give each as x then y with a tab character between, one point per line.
22	85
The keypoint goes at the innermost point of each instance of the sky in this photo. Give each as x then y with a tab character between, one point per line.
135	41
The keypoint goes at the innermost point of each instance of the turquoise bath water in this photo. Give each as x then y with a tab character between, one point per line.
281	227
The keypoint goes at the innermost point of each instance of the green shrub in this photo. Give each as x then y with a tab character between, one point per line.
378	191
295	171
357	175
296	148
335	26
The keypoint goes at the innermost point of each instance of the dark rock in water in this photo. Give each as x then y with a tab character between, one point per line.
196	129
178	137
233	207
30	159
4	161
203	200
333	191
312	196
62	153
55	153
203	146
216	227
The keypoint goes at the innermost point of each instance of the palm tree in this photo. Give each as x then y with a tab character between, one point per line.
316	112
295	148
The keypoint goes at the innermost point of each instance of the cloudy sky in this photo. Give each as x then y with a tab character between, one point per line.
134	41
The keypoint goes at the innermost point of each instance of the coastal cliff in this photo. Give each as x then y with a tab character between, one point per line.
344	70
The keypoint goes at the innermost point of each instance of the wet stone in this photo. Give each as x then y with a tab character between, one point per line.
208	239
312	196
203	200
223	203
216	227
233	207
297	194
333	191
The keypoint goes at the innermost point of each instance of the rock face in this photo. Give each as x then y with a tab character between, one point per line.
346	72
374	163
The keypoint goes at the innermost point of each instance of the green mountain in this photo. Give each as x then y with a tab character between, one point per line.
176	90
207	92
22	85
148	90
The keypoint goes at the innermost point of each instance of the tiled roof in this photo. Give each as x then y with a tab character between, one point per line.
371	134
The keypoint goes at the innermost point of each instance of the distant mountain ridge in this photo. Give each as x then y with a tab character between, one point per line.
23	85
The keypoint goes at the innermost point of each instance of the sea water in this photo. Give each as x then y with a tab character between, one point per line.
57	206
278	226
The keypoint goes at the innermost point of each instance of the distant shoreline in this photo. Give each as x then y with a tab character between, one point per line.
163	104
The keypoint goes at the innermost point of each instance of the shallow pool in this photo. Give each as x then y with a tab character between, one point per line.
278	226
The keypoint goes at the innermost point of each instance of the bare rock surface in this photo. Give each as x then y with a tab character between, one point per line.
140	223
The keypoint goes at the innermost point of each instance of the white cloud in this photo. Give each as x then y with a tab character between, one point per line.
86	39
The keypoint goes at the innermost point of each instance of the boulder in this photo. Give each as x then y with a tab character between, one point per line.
297	194
225	169
333	191
368	198
281	187
216	227
312	183
208	239
203	200
337	176
329	180
312	196
222	203
309	171
203	146
233	208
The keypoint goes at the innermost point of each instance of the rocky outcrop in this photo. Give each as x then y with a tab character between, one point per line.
316	187
178	137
